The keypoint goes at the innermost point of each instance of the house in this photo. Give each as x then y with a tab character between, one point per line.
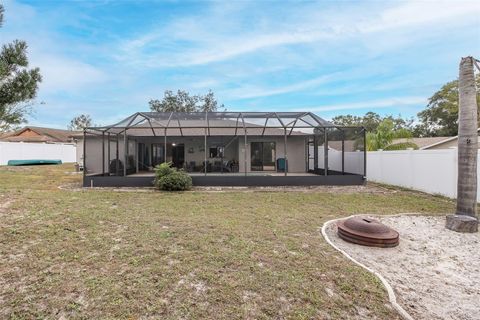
429	143
224	148
39	134
36	143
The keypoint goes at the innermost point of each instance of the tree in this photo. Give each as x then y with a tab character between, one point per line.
371	120
347	120
80	122
440	118
465	219
18	84
182	101
385	134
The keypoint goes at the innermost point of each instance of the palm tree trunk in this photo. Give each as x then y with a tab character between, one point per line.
467	141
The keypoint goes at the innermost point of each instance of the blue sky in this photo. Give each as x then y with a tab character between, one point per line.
109	58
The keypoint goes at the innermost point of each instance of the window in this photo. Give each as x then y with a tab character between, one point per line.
216	152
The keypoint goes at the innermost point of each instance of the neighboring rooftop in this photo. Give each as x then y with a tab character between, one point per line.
433	142
39	134
423	143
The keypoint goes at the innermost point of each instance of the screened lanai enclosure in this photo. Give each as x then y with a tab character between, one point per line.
225	149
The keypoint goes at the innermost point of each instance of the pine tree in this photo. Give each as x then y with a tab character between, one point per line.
18	83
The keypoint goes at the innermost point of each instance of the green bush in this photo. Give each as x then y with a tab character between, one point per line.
163	169
171	179
401	146
175	181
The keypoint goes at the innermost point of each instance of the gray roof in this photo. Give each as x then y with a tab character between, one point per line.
215	123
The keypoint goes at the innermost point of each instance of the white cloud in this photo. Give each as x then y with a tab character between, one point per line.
372	104
251	91
212	37
63	74
416	13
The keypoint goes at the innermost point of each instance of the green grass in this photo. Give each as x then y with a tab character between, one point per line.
193	255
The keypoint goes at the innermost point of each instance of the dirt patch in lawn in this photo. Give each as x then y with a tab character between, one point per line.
434	271
4	204
369	188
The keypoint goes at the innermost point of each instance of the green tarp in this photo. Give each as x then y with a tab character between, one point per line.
32	162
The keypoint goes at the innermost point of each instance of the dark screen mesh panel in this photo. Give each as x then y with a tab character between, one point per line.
215	142
93	147
335	151
354	150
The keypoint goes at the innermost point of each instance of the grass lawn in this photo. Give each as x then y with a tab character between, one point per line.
193	255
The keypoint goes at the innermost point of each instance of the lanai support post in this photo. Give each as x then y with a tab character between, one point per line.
245	151
325	151
84	150
207	128
315	153
285	150
164	145
343	152
125	152
245	145
108	153
103	153
223	151
205	151
117	167
135	155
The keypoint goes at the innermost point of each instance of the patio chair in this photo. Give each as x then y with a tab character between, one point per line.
207	165
217	166
114	166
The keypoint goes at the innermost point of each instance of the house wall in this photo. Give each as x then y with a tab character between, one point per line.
295	151
29	151
94	149
198	146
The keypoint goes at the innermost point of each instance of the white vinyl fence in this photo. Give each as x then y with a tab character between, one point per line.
30	151
432	171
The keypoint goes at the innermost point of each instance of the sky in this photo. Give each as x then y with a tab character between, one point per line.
109	58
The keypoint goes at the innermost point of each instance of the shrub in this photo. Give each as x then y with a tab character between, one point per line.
169	179
163	169
401	146
175	181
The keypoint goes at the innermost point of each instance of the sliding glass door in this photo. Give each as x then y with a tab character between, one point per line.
158	154
262	156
